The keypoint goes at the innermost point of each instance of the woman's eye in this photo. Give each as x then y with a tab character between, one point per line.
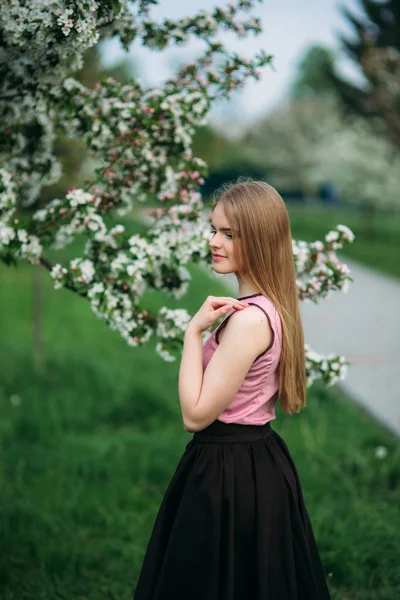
212	231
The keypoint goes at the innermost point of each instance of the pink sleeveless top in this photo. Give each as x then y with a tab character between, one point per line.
255	401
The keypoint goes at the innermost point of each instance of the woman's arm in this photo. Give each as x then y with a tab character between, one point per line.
205	396
190	373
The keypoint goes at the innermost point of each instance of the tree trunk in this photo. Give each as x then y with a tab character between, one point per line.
37	315
37	311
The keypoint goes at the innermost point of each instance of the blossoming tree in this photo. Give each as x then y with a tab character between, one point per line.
309	142
142	139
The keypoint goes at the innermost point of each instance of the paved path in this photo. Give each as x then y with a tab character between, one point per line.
364	326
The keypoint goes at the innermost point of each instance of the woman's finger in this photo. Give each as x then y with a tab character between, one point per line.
225	308
234	301
226	299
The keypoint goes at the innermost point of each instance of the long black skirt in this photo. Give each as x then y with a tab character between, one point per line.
233	524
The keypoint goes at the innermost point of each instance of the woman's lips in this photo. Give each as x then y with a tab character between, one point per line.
218	257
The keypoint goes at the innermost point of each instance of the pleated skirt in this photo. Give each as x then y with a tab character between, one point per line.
233	524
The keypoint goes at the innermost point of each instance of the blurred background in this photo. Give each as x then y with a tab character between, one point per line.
91	430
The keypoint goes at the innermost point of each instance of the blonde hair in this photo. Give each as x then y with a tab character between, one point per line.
262	243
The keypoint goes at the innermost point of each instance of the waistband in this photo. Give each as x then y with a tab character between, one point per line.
218	431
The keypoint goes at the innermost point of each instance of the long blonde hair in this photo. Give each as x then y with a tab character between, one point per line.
262	243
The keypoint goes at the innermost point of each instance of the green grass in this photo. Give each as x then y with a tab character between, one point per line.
88	452
377	241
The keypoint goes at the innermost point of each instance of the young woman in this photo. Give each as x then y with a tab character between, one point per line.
233	524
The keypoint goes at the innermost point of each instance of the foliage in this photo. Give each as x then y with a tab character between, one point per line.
314	74
376	51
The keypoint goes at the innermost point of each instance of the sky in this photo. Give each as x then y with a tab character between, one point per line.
289	28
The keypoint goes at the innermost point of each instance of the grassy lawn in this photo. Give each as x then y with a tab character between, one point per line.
88	449
377	241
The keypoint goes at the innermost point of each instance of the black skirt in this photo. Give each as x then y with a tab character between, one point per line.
233	524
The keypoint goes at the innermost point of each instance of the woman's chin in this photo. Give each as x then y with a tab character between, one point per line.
222	268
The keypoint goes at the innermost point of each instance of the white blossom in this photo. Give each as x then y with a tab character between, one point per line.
381	452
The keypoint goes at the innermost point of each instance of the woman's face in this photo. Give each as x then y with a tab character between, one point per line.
221	242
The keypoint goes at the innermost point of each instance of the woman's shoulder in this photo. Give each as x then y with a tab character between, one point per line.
262	300
269	307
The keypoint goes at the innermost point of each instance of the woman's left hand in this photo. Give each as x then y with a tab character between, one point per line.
213	308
